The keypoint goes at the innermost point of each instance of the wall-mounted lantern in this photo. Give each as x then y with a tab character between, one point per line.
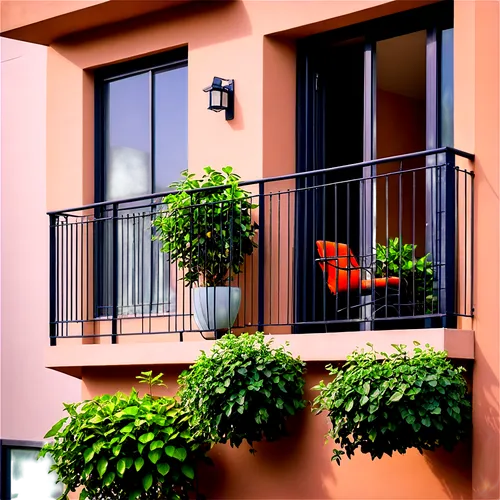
221	96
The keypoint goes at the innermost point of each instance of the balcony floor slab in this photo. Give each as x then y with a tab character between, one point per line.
72	358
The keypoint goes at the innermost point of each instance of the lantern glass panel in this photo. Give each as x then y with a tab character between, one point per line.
224	99
215	97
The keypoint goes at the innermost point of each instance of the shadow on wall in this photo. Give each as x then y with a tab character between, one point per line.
485	408
214	22
299	467
454	470
296	467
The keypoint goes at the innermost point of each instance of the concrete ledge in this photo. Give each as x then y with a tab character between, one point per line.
326	347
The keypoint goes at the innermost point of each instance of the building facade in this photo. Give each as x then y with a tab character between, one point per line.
355	123
30	395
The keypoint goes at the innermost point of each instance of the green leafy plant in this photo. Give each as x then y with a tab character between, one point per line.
417	277
399	402
151	380
125	447
243	390
207	232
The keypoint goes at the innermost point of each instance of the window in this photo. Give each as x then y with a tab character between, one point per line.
141	147
23	476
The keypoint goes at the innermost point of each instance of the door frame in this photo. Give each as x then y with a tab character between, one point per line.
433	19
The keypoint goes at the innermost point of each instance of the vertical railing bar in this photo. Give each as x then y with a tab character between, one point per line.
53	280
87	272
348	241
114	265
323	230
288	259
413	230
472	250
141	275
386	297
279	256
336	253
400	233
261	268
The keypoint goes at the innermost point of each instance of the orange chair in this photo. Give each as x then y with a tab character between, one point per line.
343	273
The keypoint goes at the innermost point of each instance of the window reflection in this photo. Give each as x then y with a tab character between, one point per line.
447	96
17	458
128	170
170	126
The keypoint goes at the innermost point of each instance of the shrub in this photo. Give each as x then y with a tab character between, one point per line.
243	390
400	402
125	447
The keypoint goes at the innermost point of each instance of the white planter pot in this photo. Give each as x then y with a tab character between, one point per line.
216	308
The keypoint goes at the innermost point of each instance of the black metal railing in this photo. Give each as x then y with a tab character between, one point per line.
375	245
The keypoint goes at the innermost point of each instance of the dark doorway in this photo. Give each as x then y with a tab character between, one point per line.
328	204
373	90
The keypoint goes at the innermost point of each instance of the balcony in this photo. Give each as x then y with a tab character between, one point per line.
378	246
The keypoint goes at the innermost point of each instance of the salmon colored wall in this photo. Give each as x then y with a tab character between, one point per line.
299	467
31	395
400	130
477	110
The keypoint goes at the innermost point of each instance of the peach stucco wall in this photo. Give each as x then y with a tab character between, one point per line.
31	395
253	42
299	466
477	110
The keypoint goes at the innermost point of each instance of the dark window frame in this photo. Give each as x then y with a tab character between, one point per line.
172	59
154	64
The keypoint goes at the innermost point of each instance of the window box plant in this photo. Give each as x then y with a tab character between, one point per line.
243	390
206	227
401	401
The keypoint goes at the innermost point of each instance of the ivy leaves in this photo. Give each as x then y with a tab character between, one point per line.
419	401
243	390
125	447
210	231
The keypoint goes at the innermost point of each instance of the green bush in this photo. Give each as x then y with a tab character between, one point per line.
417	276
419	401
125	447
243	390
208	232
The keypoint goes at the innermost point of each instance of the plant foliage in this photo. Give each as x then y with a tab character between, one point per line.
243	390
210	231
125	447
419	401
416	273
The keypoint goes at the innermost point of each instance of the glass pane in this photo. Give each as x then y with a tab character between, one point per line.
171	127
447	88
128	139
17	459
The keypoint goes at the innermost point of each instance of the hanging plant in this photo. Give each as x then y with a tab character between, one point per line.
243	390
125	447
399	402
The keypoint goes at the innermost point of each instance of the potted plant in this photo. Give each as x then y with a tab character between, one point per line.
243	390
206	227
417	277
125	447
385	403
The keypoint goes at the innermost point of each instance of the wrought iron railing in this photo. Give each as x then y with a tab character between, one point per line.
376	245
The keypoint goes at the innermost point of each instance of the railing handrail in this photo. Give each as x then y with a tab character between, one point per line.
296	175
